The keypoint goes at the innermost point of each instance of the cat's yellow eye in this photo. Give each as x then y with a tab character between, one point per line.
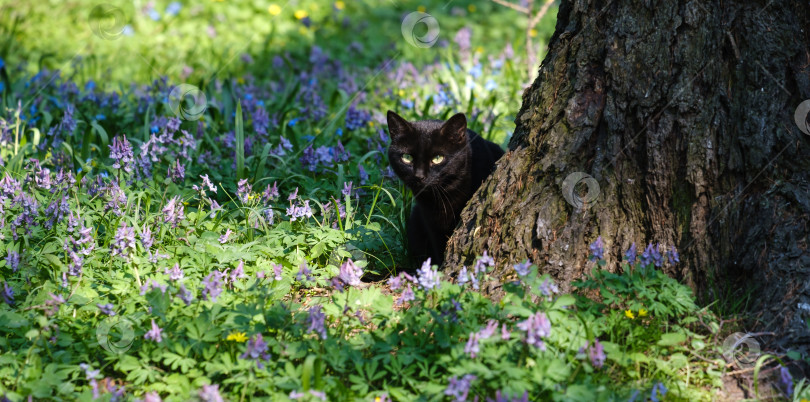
437	159
407	158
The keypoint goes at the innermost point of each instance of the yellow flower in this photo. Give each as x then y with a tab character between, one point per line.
479	49
371	124
471	7
642	313
274	9
532	33
240	80
421	9
340	5
302	30
237	336
401	93
301	14
629	314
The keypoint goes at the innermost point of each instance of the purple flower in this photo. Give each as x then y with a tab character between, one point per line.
238	272
347	189
316	321
173	211
154	333
407	295
8	294
121	154
597	249
303	272
356	118
673	256
151	396
124	240
463	276
427	277
146	237
308	159
658	389
395	282
459	388
537	326
210	393
207	183
631	254
91	375
224	238
504	397
277	271
462	39
106	309
548	287
52	304
176	172
363	175
185	295
175	273
153	284
482	263
523	268
350	273
256	350
271	193
212	286
472	347
116	199
596	353
785	380
13	260
651	256
505	334
489	330
243	191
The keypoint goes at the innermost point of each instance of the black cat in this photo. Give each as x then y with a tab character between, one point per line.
443	163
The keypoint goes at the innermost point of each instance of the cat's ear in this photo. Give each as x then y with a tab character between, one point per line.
397	126
455	129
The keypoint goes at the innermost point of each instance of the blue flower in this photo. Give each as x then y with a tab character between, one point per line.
597	249
173	8
100	117
2	63
631	254
153	14
658	389
293	122
339	132
490	85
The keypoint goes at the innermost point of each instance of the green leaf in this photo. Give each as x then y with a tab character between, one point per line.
671	339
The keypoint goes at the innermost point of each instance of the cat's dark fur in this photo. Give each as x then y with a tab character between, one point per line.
441	190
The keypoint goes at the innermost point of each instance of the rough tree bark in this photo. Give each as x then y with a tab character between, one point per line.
682	112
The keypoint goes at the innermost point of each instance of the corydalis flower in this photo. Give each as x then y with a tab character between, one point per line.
124	242
548	287
270	193
407	295
537	327
673	256
350	273
631	254
121	154
596	353
238	272
295	212
116	199
243	191
523	268
597	249
483	262
651	256
106	309
7	294
13	260
176	172
173	211
256	350
224	238
317	321
427	277
472	347
459	388
210	393
212	286
206	183
155	333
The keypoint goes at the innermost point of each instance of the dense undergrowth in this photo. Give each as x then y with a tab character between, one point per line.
212	245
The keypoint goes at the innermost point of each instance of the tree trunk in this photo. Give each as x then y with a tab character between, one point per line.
681	113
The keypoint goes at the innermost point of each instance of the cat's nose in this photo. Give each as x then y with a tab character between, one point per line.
420	174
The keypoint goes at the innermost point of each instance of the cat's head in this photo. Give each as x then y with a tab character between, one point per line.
428	152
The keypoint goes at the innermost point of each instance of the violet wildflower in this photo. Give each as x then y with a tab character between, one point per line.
407	295
303	272
537	326
185	295
395	282
207	183
238	272
459	388
293	195
651	256
317	321
631	254
173	211
56	211
548	287
8	294
350	273
522	269
482	263
243	191
356	118
347	189
224	238
124	242
116	199
106	309
673	256
427	277
658	389
463	276
151	396
176	172
472	347
212	286
505	334
147	239
153	284
91	375
277	271
13	260
256	350
121	154
596	353
308	159
489	330
785	380
363	175
210	393
270	193
52	304
318	394
154	333
597	249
